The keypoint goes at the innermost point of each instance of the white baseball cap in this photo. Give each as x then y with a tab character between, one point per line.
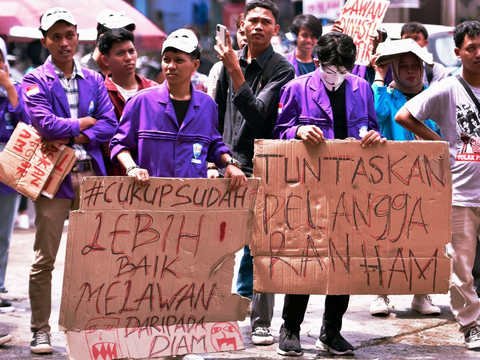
114	19
182	39
51	16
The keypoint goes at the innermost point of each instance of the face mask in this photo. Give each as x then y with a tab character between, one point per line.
332	76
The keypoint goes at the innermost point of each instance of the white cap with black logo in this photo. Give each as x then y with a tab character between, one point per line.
182	39
115	19
51	16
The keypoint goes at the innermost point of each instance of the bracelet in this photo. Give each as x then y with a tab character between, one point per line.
131	168
71	141
383	81
213	167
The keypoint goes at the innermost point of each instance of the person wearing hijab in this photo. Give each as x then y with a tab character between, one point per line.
12	111
408	81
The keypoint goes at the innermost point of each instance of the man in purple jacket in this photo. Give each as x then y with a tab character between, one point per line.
68	104
183	136
328	103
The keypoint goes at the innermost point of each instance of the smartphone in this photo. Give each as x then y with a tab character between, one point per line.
221	33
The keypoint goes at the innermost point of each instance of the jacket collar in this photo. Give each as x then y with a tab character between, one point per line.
260	59
320	95
50	68
164	98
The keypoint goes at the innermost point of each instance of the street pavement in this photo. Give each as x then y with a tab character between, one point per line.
404	334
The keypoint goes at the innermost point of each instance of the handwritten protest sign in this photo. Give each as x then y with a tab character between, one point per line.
360	19
31	169
340	219
324	9
148	271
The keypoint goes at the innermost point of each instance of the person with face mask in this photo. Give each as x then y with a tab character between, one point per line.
12	111
328	103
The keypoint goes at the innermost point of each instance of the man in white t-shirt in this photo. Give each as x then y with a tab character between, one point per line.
455	111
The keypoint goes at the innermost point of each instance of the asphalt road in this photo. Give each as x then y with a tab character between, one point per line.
404	334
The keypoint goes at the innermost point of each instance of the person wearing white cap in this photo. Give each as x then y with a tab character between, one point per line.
183	137
68	104
106	20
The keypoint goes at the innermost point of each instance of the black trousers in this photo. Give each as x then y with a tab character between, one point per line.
295	306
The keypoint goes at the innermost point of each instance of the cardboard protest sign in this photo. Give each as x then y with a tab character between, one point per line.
387	51
148	271
31	170
360	19
341	219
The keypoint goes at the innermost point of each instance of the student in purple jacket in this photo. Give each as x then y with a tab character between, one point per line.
12	111
306	30
328	103
171	130
68	104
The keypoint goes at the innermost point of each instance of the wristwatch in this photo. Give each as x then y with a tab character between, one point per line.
234	162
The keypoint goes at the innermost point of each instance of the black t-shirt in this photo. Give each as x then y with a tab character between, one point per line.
181	107
337	101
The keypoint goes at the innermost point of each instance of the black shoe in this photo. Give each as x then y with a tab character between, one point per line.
334	343
289	343
6	306
40	343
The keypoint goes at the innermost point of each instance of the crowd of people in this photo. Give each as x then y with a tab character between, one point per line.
122	124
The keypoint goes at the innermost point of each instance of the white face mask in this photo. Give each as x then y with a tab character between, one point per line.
332	76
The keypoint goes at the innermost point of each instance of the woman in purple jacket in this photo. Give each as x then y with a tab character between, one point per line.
11	112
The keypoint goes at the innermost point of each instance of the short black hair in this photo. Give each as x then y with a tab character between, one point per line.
336	49
307	21
266	4
102	29
414	28
469	27
112	36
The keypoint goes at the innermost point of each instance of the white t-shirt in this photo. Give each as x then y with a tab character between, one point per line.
126	94
450	106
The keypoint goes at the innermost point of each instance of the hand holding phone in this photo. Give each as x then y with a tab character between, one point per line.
221	33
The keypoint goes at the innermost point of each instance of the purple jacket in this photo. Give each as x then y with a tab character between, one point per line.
9	118
293	60
150	131
49	113
304	101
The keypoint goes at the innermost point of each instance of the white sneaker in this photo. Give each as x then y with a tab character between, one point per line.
379	305
424	305
23	222
261	336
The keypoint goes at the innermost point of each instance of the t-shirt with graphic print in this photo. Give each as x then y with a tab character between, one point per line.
450	106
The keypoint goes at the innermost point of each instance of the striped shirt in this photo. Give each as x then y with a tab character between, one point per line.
70	86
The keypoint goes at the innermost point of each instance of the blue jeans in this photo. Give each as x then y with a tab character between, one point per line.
8	209
245	274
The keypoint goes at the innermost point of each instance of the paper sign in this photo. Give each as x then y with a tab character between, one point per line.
31	170
148	272
323	9
360	19
341	219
